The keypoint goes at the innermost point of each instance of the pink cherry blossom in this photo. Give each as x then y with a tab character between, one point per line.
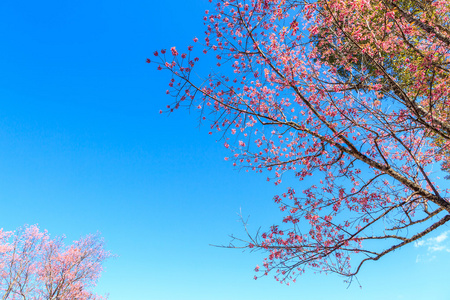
349	98
36	266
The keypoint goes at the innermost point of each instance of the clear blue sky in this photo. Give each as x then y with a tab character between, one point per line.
83	148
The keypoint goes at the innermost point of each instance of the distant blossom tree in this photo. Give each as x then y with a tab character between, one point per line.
352	94
36	267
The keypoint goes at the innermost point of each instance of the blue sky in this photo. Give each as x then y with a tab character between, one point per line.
83	148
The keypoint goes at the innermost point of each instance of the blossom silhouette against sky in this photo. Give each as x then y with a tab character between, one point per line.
84	148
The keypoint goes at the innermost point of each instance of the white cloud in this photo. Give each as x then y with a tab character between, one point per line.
433	244
425	258
419	243
436	248
442	237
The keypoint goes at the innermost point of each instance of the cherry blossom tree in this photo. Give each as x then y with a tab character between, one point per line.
35	266
351	96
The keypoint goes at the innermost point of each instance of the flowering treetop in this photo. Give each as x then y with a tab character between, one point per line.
353	93
35	266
